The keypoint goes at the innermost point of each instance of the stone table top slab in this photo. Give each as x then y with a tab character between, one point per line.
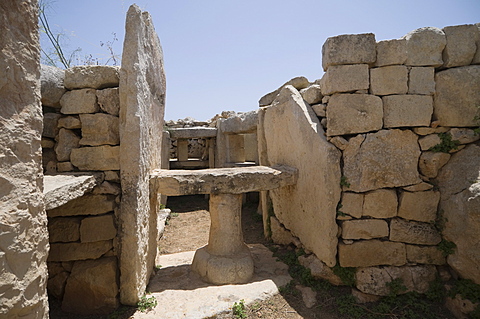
62	188
193	132
236	180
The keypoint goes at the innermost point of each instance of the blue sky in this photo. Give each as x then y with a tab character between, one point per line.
226	54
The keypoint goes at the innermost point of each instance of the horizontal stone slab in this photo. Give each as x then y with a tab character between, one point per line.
236	180
192	132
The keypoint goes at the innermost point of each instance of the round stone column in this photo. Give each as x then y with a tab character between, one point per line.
226	259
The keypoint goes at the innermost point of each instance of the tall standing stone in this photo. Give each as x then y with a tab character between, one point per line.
23	221
142	103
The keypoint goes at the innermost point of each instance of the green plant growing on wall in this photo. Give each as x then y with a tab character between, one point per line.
446	247
346	274
446	145
344	182
147	303
239	310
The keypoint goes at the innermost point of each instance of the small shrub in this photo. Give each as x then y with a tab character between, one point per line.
344	182
396	287
446	247
145	304
346	274
446	144
239	310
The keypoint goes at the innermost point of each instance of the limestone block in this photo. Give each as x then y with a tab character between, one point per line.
50	122
78	251
431	162
421	80
312	94
47	143
381	203
429	141
64	229
49	161
352	204
97	158
69	122
476	58
457	96
374	280
393	164
97	228
85	205
109	100
391	52
280	235
290	133
345	78
354	113
60	189
413	232
320	110
96	282
407	110
112	176
364	229
52	89
361	297
67	140
389	80
79	101
239	124
319	270
56	284
425	47
349	49
460	307
91	76
372	252
107	188
339	142
419	206
430	130
298	83
461	45
64	167
464	135
425	255
420	187
99	129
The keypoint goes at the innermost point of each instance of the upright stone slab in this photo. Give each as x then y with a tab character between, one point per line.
23	226
290	134
142	104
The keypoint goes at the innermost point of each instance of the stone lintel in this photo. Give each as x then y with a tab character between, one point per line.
235	180
193	132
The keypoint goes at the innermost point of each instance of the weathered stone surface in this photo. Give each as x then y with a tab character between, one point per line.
457	96
280	235
91	76
420	187
97	228
361	297
69	122
193	132
352	204
312	94
79	101
460	203
99	129
354	113
429	141
374	280
460	307
407	110
425	255
236	180
85	205
56	284
52	89
425	47
298	83
381	203
318	269
50	124
64	167
464	135
96	282
349	49
419	206
242	123
309	296
394	163
389	80
372	252
62	229
431	162
47	143
98	158
67	140
476	58
60	189
142	101
318	162
112	176
345	78
364	229
320	110
421	80
461	45
413	232
23	226
391	52
78	251
430	130
107	188
109	100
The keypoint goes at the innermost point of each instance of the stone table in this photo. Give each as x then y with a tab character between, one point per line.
226	259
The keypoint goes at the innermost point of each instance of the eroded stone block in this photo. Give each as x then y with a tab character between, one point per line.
407	110
79	101
52	89
67	140
69	122
78	251
85	205
425	47
352	204
419	206
381	203
421	80
91	76
425	255
312	94
373	252
99	129
50	124
364	229
413	232
389	80
391	52
109	100
97	228
461	45
349	49
63	229
345	78
430	163
98	158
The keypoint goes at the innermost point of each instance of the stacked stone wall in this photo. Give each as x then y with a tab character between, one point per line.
81	134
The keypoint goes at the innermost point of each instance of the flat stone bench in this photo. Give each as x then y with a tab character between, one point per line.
226	259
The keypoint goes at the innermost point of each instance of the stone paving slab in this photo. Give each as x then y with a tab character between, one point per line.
181	294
